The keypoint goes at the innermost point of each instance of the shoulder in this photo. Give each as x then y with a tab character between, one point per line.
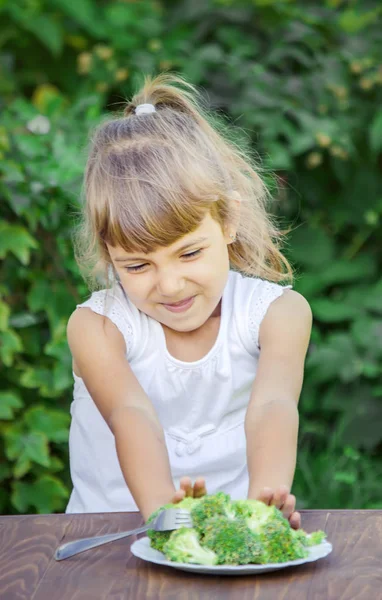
86	328
289	316
111	310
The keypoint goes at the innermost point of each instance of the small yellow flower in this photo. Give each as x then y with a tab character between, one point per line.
101	86
164	65
340	91
371	217
314	159
121	74
356	67
323	140
76	41
84	62
338	152
366	83
4	139
155	45
103	52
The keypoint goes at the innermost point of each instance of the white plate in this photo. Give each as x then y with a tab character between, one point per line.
141	548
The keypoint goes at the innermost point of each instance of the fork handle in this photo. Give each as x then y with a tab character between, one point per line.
77	546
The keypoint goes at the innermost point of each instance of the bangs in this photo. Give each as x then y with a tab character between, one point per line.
143	210
159	222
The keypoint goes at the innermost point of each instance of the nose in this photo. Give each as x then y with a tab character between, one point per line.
170	285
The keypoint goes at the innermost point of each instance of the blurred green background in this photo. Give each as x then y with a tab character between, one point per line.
303	81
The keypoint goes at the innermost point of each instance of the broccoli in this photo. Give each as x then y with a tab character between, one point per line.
309	539
184	546
279	543
159	538
210	506
233	541
232	532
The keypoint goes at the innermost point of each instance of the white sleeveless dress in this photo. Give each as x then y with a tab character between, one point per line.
201	405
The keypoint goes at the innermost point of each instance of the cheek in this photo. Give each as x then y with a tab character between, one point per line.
134	286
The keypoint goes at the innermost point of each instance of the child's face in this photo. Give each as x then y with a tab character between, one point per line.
172	274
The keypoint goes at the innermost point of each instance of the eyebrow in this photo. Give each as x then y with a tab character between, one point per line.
198	240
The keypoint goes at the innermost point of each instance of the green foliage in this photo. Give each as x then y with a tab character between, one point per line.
303	80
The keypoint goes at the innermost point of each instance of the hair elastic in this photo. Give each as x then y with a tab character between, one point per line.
142	109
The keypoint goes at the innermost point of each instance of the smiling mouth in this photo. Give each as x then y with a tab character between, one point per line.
180	303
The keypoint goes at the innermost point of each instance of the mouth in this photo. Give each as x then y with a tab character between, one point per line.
180	303
180	306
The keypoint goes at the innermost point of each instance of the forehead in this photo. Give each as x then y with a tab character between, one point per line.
209	229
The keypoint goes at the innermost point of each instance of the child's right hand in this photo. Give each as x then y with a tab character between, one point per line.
186	489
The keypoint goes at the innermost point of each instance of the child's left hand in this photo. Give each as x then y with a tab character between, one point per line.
284	501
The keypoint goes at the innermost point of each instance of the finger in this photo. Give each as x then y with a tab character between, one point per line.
289	506
280	496
295	520
265	495
200	487
178	496
186	485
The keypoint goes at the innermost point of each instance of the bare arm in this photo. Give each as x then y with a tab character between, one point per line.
98	349
272	419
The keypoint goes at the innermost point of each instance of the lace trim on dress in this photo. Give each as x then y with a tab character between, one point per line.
259	305
107	305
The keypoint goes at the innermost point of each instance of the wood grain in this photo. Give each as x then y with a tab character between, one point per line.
28	571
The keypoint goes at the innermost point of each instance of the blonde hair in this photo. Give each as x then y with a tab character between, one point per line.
150	179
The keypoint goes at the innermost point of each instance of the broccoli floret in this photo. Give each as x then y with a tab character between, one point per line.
309	539
276	535
233	541
211	506
159	538
184	546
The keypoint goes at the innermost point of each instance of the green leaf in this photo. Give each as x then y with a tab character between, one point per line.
9	402
4	315
54	424
11	172
335	359
331	311
373	298
16	239
345	477
367	333
25	319
84	13
340	271
44	495
375	133
48	31
36	377
321	246
10	344
5	471
29	445
22	467
38	294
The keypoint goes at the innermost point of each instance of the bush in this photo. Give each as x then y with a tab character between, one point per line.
304	82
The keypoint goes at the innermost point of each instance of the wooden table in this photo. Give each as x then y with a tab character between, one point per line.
28	571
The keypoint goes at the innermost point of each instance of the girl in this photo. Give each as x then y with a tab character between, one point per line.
188	365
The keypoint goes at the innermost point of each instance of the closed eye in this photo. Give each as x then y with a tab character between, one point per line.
136	268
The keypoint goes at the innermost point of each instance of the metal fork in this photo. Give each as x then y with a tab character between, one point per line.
170	518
